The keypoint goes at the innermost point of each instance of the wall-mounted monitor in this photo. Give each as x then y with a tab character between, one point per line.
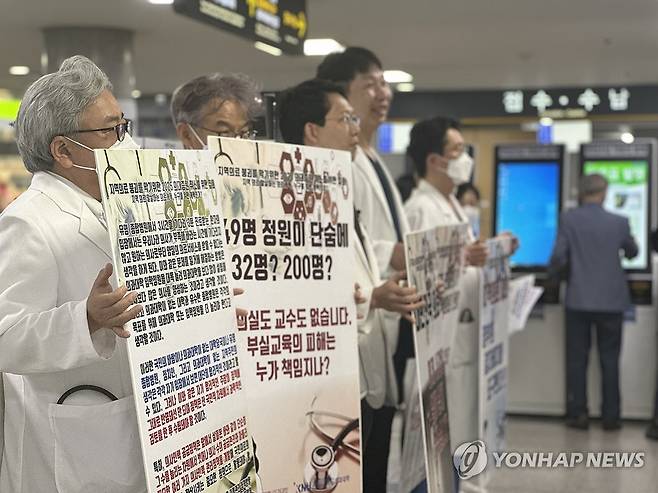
527	200
628	169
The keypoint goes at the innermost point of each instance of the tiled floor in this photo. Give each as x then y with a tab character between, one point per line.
545	435
525	434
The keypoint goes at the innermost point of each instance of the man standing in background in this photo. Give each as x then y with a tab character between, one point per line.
589	243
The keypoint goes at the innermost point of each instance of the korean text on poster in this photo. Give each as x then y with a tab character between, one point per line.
435	256
289	226
166	230
494	337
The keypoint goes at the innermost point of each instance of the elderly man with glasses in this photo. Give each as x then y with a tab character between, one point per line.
69	419
215	105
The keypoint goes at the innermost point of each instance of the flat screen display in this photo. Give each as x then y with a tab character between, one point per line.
528	205
628	195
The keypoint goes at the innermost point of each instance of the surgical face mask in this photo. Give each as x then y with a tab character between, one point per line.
459	170
204	146
473	217
126	144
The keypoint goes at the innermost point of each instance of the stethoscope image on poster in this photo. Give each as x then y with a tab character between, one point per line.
321	473
236	198
128	211
108	170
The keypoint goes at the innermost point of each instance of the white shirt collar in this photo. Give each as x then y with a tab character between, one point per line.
94	205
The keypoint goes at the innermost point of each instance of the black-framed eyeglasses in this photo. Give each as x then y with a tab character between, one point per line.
246	133
121	129
347	119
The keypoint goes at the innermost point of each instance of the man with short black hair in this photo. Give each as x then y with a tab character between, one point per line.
361	74
589	242
316	113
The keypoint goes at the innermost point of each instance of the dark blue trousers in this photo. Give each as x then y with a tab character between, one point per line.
579	326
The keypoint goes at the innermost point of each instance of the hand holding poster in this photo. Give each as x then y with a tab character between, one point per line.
289	221
167	235
434	256
494	320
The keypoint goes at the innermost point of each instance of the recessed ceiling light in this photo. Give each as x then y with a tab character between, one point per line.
321	47
136	93
627	138
272	50
161	2
405	87
397	76
19	70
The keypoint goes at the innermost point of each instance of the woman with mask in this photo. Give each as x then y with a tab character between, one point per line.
469	198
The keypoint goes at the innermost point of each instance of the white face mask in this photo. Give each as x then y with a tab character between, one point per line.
473	217
204	146
459	170
126	144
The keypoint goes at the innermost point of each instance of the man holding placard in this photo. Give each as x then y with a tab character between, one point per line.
436	148
317	113
60	316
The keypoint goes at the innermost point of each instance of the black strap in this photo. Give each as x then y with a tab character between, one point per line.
359	232
93	388
388	192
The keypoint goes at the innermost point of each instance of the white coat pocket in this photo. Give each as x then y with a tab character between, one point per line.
97	448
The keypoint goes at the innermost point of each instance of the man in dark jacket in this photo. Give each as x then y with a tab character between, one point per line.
589	244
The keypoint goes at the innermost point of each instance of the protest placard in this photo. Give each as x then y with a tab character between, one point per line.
433	256
494	338
289	227
166	229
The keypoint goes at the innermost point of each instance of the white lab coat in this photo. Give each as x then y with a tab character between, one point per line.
53	247
370	200
2	419
377	374
428	208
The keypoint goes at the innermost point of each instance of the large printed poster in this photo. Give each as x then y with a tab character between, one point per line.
289	220
435	255
494	321
167	233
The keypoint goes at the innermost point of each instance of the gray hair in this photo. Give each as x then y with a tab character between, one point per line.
53	106
591	185
189	99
